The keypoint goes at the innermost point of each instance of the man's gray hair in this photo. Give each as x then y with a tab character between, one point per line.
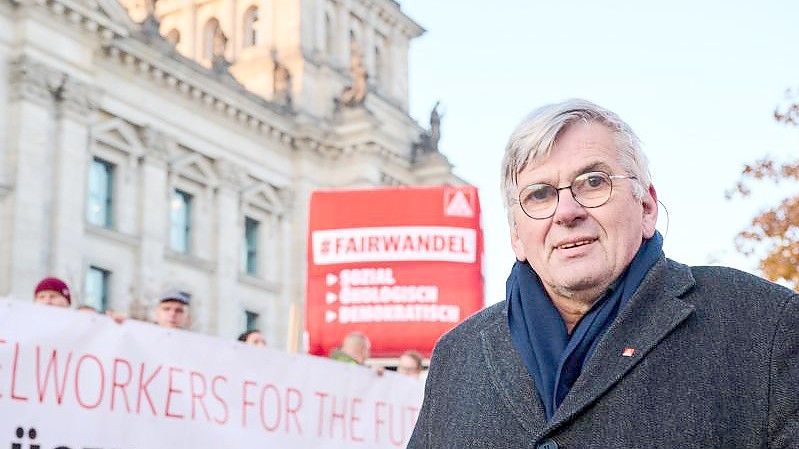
535	136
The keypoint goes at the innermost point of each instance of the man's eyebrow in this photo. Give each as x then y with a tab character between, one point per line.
589	167
594	166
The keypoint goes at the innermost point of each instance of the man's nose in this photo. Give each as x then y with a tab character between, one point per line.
568	208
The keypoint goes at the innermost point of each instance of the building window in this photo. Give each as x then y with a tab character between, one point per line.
180	221
101	188
251	319
96	288
250	246
250	27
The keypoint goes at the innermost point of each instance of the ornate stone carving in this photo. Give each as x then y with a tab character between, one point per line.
76	98
33	80
157	144
355	93
219	63
388	180
220	42
150	26
39	82
281	80
428	139
435	127
149	7
230	173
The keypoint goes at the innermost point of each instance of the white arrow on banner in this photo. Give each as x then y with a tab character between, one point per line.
331	279
330	316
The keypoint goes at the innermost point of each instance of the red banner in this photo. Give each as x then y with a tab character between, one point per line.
402	265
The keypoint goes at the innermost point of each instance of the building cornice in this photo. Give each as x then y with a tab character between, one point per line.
390	12
123	43
104	17
218	92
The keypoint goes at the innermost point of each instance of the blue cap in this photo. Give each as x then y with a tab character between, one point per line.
176	295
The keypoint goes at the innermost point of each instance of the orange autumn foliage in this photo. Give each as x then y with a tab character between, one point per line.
776	230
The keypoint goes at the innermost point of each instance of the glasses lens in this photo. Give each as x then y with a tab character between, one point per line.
539	200
592	189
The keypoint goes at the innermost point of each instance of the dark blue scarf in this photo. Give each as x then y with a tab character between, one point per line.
553	357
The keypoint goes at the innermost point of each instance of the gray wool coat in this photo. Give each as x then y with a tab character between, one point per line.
714	364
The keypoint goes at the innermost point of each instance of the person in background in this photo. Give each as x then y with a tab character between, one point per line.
52	291
253	337
172	310
410	363
55	292
354	349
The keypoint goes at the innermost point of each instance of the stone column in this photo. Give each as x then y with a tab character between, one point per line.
400	69
229	230
31	130
153	222
319	27
70	161
295	240
272	247
396	72
196	32
291	277
342	55
233	29
368	45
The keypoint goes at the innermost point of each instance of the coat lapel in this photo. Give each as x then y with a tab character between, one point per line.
509	376
652	313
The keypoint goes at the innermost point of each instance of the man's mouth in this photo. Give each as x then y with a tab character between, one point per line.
575	244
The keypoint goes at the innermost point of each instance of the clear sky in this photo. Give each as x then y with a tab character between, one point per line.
697	80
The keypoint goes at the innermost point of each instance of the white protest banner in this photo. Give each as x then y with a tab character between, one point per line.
77	380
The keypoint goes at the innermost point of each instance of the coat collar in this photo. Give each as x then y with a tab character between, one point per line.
653	312
509	376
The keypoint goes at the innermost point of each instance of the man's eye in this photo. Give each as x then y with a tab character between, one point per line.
539	193
595	180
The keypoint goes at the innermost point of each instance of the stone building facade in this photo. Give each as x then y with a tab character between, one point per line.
146	146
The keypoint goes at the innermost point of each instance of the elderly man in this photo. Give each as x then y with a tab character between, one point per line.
602	342
354	349
173	310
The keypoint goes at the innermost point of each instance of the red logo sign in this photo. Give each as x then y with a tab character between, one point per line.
402	265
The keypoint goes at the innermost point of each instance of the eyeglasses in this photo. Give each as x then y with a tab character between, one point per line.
592	189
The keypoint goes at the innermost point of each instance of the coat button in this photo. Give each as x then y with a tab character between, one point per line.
548	444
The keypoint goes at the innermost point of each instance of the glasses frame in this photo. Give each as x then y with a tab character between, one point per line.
558	190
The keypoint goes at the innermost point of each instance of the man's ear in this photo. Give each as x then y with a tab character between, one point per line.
650	212
516	242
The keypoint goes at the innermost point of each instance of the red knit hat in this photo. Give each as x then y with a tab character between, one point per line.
54	284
